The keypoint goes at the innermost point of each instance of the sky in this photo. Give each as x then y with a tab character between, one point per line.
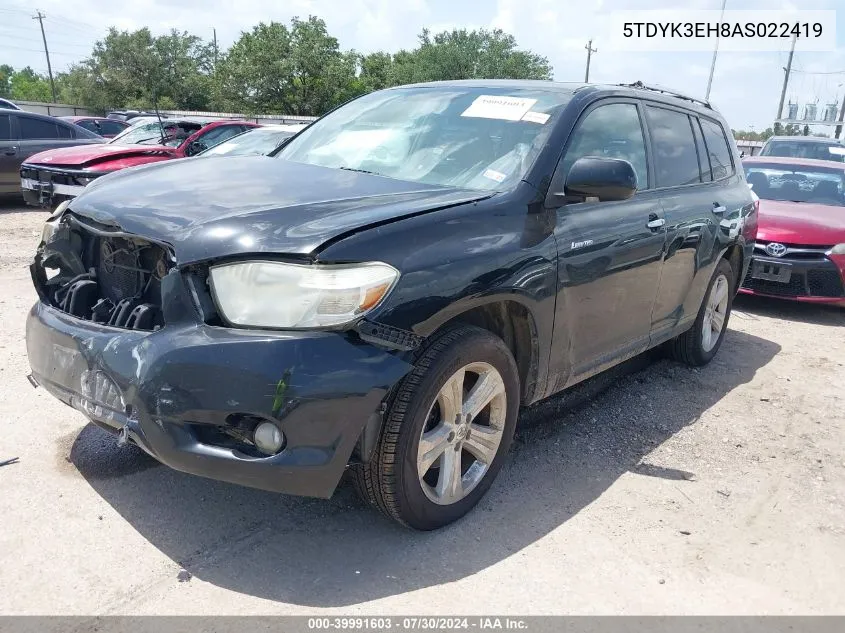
746	86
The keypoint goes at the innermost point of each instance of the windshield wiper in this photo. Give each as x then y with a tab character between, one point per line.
362	171
152	138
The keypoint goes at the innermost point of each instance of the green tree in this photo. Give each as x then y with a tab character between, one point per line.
137	68
376	71
28	85
296	70
6	73
462	54
254	75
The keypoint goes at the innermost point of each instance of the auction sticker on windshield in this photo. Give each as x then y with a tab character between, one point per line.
493	107
536	117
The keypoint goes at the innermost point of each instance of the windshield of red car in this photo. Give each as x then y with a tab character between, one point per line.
150	133
473	137
798	148
816	185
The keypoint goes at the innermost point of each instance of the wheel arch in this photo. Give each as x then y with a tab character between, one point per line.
735	255
514	323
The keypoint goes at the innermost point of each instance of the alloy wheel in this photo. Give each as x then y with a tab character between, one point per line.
715	313
462	433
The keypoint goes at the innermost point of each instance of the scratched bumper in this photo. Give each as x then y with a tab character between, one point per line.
172	389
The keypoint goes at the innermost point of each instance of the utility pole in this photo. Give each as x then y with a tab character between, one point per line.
215	49
40	17
841	119
787	70
715	51
590	51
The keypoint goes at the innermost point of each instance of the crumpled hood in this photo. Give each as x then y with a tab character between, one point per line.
87	156
801	223
221	206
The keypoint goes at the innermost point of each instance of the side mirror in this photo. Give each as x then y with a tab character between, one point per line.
607	179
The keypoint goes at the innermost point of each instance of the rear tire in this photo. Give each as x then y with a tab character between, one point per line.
440	449
698	345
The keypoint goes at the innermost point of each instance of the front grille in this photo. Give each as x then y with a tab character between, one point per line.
812	283
115	280
56	177
795	287
825	283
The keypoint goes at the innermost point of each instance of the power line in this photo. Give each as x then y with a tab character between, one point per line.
810	72
41	50
6	34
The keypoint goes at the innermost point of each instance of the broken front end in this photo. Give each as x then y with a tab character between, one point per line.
124	334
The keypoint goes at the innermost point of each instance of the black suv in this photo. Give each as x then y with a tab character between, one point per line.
385	293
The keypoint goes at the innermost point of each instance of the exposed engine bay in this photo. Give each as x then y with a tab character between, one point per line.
101	275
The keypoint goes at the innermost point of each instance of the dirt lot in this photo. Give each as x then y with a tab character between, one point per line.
661	489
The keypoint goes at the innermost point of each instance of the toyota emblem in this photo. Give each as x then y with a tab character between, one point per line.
775	249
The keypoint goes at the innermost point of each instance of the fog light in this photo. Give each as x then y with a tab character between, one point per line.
268	438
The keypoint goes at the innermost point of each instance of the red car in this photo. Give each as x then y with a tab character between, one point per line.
107	128
51	177
800	249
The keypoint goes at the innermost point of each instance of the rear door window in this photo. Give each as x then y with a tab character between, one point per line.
718	151
5	128
675	155
32	128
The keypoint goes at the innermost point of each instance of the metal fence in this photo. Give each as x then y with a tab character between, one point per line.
55	109
64	109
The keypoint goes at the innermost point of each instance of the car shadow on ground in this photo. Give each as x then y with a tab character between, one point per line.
10	204
337	552
812	313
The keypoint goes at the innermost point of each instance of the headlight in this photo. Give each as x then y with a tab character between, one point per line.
53	221
839	249
280	295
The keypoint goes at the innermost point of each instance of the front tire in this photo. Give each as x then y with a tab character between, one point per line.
698	345
446	431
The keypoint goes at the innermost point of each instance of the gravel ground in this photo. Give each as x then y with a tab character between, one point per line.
657	489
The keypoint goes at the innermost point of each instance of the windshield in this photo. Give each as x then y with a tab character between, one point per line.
816	185
805	149
175	132
477	138
260	141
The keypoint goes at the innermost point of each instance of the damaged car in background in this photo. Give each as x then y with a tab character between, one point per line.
50	177
384	293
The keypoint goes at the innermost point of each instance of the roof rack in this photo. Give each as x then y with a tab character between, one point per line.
641	86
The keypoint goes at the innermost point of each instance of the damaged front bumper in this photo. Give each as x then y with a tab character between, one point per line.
44	186
179	391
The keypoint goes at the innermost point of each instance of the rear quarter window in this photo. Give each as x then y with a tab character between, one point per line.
718	151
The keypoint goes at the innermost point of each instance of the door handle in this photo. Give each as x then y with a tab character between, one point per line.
718	208
656	224
10	151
